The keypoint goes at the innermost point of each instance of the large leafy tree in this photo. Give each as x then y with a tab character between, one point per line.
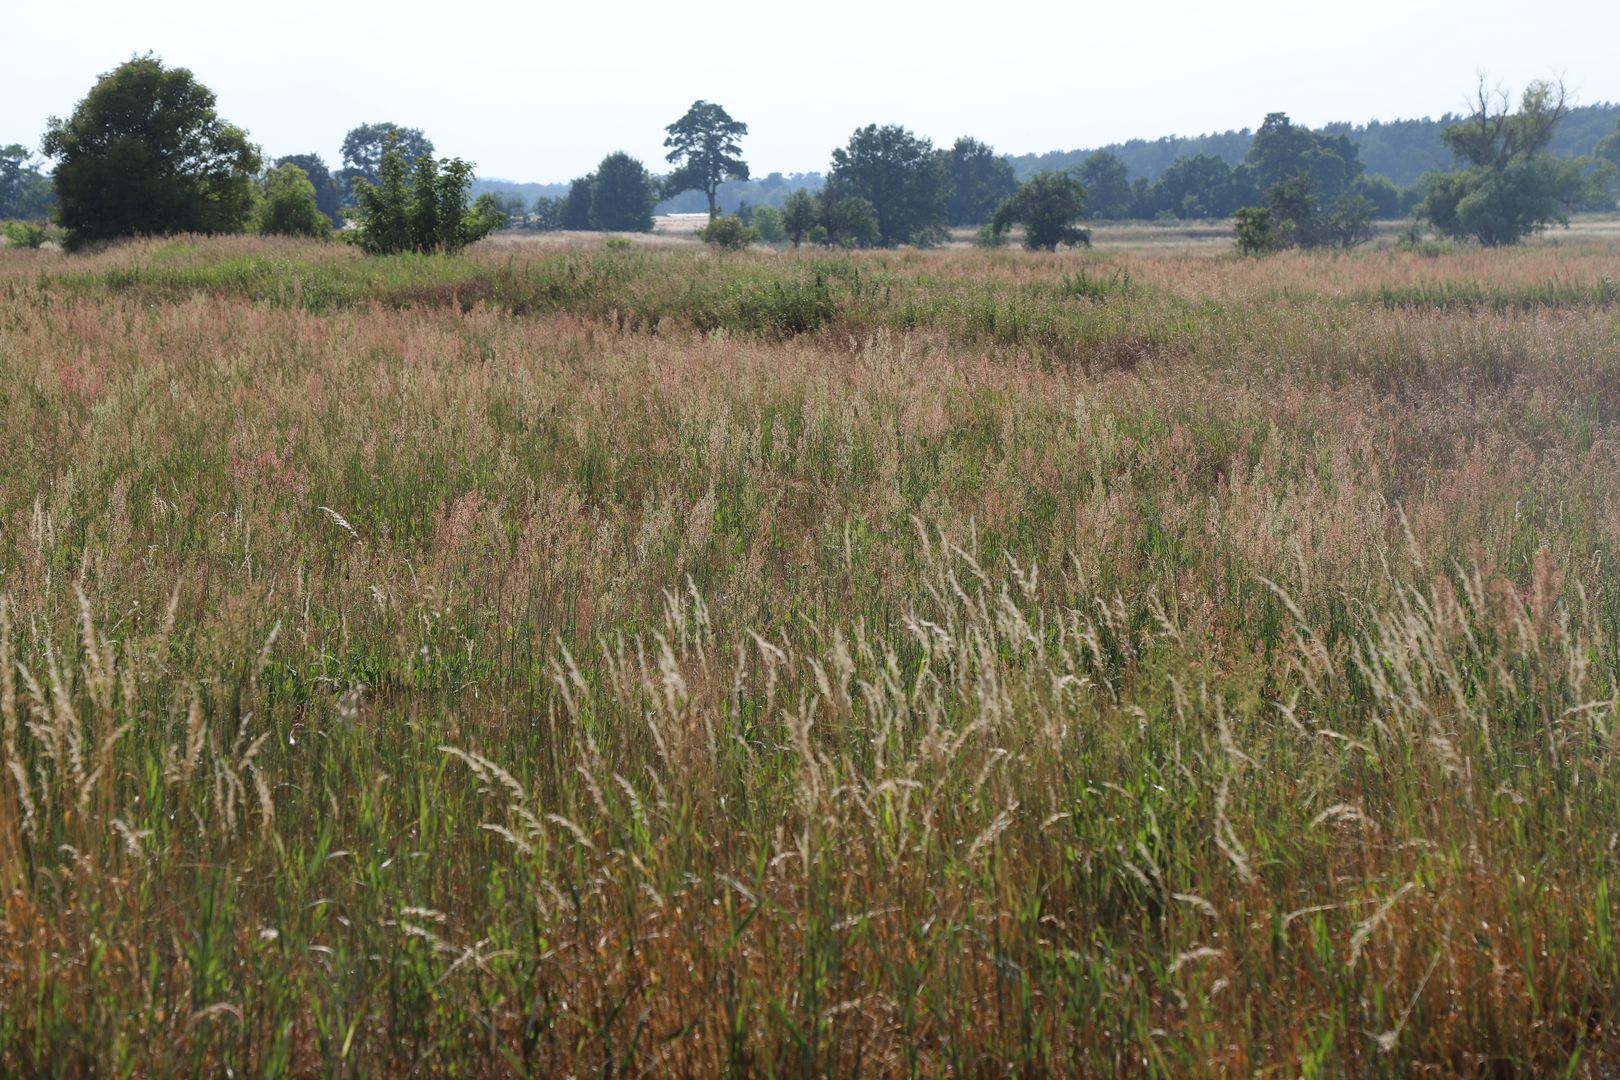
145	152
1510	186
364	147
704	148
1201	186
980	180
1306	179
1108	186
328	196
623	194
899	174
1047	205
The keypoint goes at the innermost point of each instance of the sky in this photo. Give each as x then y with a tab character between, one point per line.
537	91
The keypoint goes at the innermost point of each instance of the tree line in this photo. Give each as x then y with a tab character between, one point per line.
1401	150
146	152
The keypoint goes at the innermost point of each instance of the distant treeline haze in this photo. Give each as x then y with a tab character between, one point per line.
1399	150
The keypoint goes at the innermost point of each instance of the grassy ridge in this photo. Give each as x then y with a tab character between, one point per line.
627	682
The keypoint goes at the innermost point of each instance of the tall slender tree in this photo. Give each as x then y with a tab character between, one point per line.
704	148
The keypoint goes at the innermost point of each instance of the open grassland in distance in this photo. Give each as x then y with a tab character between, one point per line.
564	661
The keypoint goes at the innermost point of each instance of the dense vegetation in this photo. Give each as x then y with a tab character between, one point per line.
144	153
633	661
1401	150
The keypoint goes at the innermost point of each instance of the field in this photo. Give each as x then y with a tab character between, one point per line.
561	660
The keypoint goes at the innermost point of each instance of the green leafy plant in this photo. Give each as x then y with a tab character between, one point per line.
424	210
1512	187
801	214
767	221
1257	231
144	153
27	234
728	233
898	174
623	194
1047	205
289	207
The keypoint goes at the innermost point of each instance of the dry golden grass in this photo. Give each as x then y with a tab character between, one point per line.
899	664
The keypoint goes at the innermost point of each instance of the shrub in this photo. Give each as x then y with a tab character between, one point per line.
1257	232
767	222
289	207
26	234
1048	204
849	221
801	214
728	233
425	212
987	237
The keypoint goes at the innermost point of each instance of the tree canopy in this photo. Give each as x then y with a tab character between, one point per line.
1047	205
1108	186
1305	178
145	152
289	207
900	176
364	147
623	194
980	180
421	207
703	146
1202	186
574	211
328	195
1510	186
800	215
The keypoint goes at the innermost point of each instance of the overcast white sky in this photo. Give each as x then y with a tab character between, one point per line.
541	91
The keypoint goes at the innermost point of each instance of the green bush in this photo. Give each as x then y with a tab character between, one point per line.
423	209
988	237
1257	232
26	234
728	233
289	207
767	222
1047	205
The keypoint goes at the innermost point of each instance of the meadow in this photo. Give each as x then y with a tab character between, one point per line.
562	660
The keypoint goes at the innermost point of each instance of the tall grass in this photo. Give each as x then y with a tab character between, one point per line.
632	662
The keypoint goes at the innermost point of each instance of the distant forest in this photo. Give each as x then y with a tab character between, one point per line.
1401	150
